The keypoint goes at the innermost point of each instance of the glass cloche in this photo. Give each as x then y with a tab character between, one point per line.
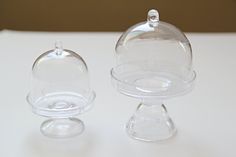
153	63
60	90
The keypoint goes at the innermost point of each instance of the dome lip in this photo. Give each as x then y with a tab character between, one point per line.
114	75
65	52
189	82
144	27
74	111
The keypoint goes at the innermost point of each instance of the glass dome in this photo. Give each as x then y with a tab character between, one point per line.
154	59
153	63
60	89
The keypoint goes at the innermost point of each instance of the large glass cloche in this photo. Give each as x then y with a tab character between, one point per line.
153	63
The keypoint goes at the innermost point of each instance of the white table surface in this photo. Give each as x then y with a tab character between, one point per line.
205	118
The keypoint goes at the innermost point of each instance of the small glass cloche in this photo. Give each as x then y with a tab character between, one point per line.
60	90
153	63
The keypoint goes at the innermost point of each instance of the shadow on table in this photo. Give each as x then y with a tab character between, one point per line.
182	145
40	146
88	144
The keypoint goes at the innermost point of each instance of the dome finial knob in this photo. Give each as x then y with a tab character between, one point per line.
58	47
153	17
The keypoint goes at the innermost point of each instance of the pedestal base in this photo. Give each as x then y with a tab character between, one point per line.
62	127
151	123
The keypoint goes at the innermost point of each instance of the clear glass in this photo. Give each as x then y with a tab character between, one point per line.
60	90
153	63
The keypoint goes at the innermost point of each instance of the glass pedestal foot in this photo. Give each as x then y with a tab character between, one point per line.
151	123
62	127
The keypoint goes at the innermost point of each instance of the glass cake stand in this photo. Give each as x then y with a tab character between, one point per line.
153	63
60	91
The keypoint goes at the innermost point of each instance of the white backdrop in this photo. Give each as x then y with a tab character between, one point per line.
205	118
